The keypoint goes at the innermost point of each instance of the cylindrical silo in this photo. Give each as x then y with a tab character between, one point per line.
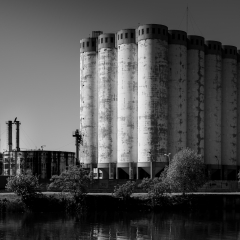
213	104
127	103
229	112
152	96
195	94
238	109
177	91
88	100
107	104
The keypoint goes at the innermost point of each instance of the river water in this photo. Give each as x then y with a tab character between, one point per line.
122	225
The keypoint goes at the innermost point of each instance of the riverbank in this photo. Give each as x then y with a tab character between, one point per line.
52	201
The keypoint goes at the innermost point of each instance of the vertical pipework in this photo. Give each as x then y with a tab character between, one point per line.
213	104
88	100
177	91
195	94
238	109
229	107
9	126
107	99
17	135
127	97
152	92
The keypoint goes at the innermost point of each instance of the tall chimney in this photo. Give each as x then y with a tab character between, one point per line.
17	135
9	123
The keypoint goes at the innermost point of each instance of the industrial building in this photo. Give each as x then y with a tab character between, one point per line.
39	162
150	91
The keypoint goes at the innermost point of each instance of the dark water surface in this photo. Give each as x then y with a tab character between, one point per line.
122	225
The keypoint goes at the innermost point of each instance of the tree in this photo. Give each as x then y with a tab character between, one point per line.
124	191
25	186
75	181
186	172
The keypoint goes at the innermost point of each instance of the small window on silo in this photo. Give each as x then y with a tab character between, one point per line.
132	35
118	36
111	39
83	45
121	36
147	30
93	44
126	35
106	40
178	36
142	31
101	40
139	32
153	30
87	44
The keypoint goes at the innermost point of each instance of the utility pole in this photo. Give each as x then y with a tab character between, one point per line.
79	140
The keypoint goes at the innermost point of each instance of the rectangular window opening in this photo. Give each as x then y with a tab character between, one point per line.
106	40
126	35
121	36
132	35
153	30
142	31
147	30
111	39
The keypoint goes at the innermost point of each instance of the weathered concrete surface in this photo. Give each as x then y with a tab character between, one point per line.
213	104
177	98
127	103
152	100
229	112
195	100
88	107
107	105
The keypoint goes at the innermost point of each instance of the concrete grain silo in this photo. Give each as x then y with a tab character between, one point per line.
152	98
213	103
195	94
238	109
127	103
107	105
88	101
229	112
177	91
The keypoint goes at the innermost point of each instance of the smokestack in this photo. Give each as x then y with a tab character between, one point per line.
9	123
17	135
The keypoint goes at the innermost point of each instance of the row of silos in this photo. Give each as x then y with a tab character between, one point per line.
148	92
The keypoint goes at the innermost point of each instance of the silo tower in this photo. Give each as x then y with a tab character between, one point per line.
127	103
152	98
88	101
229	113
107	105
177	91
213	102
195	94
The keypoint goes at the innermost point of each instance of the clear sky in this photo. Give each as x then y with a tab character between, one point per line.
39	54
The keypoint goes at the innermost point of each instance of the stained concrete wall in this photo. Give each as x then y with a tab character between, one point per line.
229	106
88	101
177	91
127	97
152	93
107	100
195	94
213	103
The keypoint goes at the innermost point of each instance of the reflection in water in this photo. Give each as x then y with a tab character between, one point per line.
212	225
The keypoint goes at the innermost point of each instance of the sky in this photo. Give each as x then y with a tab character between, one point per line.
39	55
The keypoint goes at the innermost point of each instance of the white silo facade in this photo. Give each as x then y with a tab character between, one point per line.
107	104
127	102
195	94
213	104
152	94
88	100
229	112
177	91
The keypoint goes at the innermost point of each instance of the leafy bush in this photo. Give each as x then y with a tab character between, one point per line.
186	173
26	186
74	181
124	191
